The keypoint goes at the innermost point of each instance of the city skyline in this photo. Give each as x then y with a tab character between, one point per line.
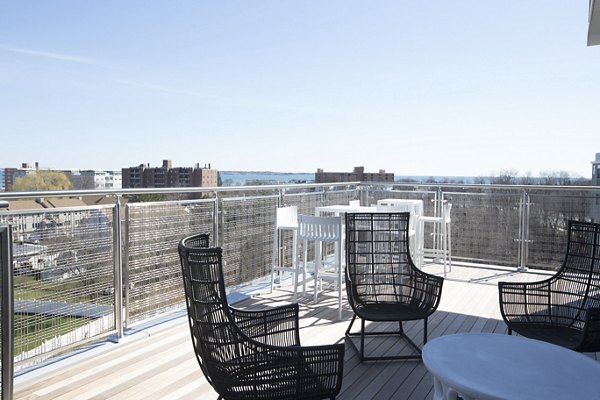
461	89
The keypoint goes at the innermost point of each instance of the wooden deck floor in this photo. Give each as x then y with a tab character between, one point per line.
158	362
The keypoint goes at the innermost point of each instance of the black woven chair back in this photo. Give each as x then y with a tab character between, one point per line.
382	282
215	337
379	263
577	284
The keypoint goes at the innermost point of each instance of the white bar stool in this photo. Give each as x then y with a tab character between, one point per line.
323	230
442	241
286	220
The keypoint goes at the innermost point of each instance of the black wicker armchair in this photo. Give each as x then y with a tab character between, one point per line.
251	354
564	309
382	282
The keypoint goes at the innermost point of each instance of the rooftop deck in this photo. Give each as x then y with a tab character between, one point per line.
157	362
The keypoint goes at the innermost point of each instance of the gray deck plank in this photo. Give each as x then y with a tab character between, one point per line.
162	365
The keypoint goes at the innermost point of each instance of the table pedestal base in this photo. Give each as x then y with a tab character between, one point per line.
442	391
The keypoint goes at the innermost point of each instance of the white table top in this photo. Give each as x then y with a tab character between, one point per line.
496	366
410	205
343	208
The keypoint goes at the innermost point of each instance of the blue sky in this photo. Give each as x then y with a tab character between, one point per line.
415	88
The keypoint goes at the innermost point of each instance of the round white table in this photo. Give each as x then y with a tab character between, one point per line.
496	366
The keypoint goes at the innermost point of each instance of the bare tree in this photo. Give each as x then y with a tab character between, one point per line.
505	177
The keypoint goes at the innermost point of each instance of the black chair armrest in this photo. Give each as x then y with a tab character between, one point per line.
521	300
430	288
274	326
537	288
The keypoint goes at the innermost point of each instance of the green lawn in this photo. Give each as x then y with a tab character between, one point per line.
32	330
71	290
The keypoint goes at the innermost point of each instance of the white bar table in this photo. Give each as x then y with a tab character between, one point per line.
346	208
342	209
415	207
496	366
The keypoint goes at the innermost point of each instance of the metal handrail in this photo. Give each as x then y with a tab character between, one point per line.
220	189
180	190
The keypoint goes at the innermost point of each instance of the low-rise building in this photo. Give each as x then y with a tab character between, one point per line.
144	176
94	179
357	175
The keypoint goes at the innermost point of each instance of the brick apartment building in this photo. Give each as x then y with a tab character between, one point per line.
358	175
144	176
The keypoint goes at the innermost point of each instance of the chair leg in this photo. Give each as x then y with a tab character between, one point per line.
362	334
350	325
362	339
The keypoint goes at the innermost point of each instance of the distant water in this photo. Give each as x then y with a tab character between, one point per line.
241	178
444	179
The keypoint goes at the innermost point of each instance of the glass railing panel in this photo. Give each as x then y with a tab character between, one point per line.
153	274
306	202
338	196
63	275
549	213
485	223
247	237
485	227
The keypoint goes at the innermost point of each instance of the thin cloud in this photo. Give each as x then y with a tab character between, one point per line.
49	55
225	101
170	90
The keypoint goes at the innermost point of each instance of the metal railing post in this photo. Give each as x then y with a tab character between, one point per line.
125	264
526	239
8	312
216	221
437	212
118	259
523	231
